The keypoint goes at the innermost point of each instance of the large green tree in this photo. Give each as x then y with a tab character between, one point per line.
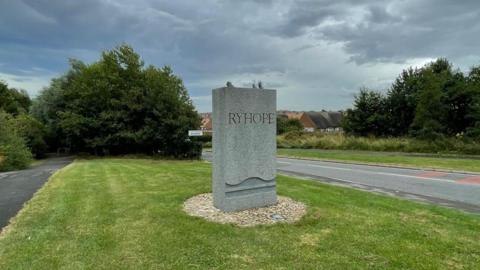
368	116
430	112
443	101
45	108
116	105
473	115
401	102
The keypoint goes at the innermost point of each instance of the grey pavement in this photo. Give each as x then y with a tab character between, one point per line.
457	190
19	186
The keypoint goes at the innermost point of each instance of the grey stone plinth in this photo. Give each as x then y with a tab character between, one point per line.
244	148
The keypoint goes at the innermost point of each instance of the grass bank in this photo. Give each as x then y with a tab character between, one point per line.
385	158
328	141
127	214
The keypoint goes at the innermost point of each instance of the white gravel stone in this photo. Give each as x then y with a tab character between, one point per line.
286	210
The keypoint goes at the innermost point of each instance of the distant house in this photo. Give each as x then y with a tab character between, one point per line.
323	120
326	121
206	124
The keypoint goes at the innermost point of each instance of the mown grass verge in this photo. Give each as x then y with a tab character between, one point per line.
127	214
382	158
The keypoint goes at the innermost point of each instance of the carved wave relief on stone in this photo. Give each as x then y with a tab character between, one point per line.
236	178
250	186
252	182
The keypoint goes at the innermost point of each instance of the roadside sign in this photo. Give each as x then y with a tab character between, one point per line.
194	133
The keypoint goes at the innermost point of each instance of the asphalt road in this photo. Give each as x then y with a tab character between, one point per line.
457	190
19	186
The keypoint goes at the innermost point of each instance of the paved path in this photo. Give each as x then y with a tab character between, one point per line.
458	190
18	187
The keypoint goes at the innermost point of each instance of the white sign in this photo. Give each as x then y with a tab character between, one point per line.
193	133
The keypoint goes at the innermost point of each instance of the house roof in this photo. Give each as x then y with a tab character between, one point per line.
294	115
336	118
325	119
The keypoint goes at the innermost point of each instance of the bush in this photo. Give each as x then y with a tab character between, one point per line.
14	153
33	132
285	125
206	138
319	140
194	151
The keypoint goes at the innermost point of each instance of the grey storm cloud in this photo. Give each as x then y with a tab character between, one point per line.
389	30
317	52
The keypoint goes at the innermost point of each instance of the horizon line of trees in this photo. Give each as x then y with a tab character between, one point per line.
430	102
116	105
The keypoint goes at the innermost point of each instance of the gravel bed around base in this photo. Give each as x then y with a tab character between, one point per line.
286	210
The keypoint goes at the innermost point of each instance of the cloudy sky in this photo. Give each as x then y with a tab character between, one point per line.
316	53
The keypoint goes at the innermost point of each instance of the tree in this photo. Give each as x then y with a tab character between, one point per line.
443	101
427	123
116	106
368	115
46	107
13	101
401	102
169	113
473	114
33	132
457	100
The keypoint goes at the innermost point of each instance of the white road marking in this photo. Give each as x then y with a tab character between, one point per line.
282	162
371	172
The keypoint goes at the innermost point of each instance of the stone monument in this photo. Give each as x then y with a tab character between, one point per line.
244	148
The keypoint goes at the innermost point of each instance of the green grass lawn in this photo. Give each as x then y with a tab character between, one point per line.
127	214
445	162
